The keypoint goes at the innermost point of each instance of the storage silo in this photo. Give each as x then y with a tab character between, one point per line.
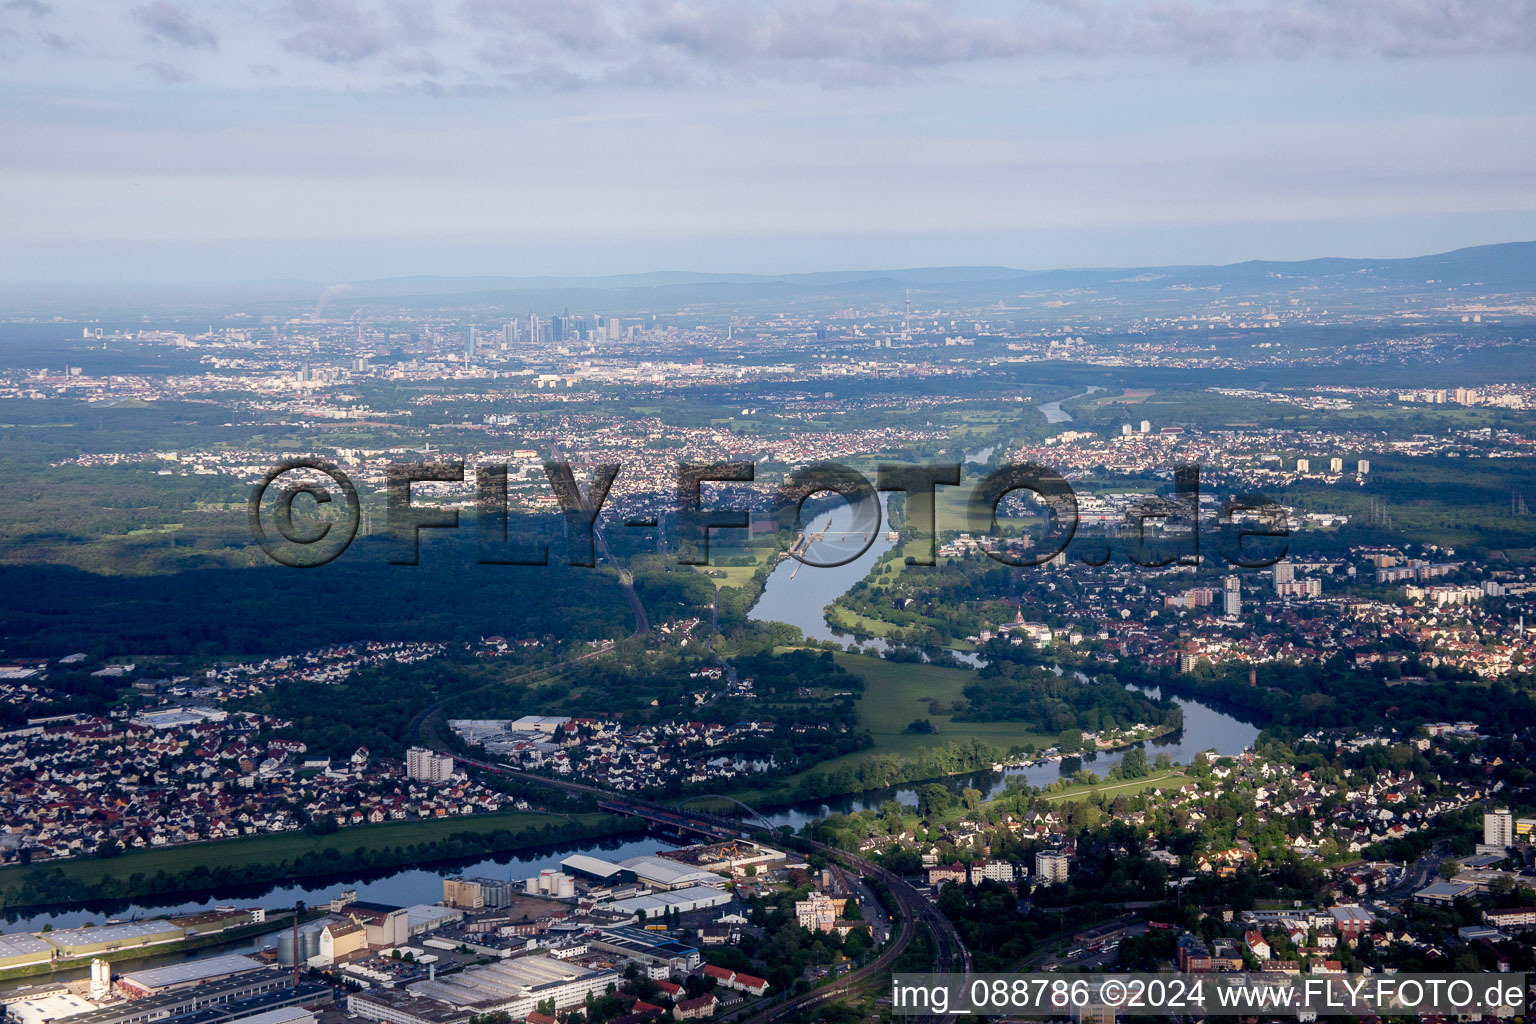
285	947
309	941
101	979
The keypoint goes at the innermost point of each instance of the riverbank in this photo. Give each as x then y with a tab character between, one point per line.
274	923
191	868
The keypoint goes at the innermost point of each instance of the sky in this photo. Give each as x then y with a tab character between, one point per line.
332	140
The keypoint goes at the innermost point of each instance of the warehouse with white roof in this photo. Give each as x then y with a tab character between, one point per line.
596	869
109	937
156	980
516	986
660	873
656	904
23	948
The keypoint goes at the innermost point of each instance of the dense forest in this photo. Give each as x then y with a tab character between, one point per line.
52	610
1052	701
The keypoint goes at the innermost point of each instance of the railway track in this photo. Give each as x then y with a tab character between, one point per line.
915	910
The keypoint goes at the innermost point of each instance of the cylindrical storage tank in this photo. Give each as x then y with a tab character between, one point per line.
531	887
101	979
567	886
285	947
309	942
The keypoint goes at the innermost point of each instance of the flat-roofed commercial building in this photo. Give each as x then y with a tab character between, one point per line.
425	917
285	1015
399	1007
24	948
655	904
264	990
1444	892
158	980
518	985
280	1006
110	937
49	1008
214	921
647	947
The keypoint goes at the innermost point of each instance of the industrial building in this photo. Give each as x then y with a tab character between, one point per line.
596	869
159	980
518	985
48	1008
285	1015
384	925
308	943
656	904
24	948
426	917
259	990
397	1007
475	893
463	892
217	921
549	882
107	938
279	1007
339	939
660	873
652	872
725	857
648	948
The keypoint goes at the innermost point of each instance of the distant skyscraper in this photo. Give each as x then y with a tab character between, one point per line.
1232	596
509	334
1146	427
1363	467
1303	465
1335	465
533	328
1284	572
469	345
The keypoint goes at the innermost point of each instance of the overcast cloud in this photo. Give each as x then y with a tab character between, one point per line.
400	136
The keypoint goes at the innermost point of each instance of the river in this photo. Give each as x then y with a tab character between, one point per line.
799	594
801	598
796	598
1204	729
401	888
1054	413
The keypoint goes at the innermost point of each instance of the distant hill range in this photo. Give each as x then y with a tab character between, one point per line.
1508	268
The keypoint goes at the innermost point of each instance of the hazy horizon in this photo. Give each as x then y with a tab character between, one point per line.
162	142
